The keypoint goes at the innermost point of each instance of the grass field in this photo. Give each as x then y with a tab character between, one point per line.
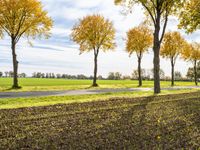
31	84
155	122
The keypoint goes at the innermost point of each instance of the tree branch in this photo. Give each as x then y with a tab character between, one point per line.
150	13
164	27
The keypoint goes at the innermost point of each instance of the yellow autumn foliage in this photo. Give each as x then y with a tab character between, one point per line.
192	52
173	44
94	32
139	40
24	18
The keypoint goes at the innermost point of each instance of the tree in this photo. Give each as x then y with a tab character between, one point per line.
158	11
139	39
111	76
1	74
190	72
22	75
192	53
135	74
177	75
94	33
23	18
6	73
114	76
118	76
172	46
190	17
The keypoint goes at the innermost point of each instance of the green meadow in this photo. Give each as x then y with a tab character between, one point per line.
34	84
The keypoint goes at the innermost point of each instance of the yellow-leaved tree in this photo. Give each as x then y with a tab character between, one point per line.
139	40
158	11
94	33
192	53
172	46
23	18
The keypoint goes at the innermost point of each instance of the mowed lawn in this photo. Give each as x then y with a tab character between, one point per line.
33	84
153	122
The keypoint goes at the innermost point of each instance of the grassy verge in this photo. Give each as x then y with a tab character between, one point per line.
52	100
32	84
153	122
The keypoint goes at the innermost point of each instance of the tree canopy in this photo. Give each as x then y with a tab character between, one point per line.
24	18
139	40
173	45
94	32
191	52
190	16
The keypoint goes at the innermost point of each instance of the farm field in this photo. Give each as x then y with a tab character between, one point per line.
33	84
155	122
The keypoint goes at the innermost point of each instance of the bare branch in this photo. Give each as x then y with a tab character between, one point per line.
150	13
164	27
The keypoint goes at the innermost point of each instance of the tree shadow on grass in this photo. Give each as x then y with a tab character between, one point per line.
12	89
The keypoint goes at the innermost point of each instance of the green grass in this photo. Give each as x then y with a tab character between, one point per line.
153	122
11	103
31	84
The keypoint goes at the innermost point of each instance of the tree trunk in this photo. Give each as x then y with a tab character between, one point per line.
172	73
195	72
95	71
15	64
156	60
139	72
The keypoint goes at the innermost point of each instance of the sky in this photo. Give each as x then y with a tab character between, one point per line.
59	54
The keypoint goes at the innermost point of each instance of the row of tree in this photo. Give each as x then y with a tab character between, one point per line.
139	40
27	18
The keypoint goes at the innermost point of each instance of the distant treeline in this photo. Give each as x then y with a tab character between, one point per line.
146	75
9	74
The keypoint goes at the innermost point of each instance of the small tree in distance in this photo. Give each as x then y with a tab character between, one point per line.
94	33
22	18
139	40
173	45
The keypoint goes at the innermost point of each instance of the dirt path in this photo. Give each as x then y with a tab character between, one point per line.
83	92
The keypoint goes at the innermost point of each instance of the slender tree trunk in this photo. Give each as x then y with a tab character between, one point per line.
156	60
15	63
95	71
172	73
195	72
139	72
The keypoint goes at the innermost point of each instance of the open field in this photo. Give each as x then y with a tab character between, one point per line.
32	84
155	122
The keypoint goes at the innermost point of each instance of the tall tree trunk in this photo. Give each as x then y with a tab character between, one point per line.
195	72
139	72
172	73
156	60
15	63
95	71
